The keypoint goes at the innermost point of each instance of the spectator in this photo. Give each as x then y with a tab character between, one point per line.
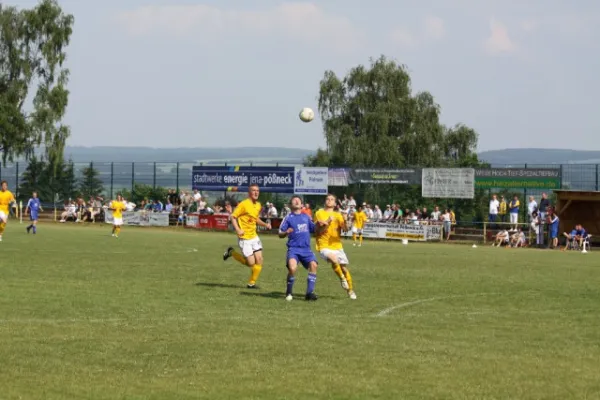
502	210
514	213
157	207
272	211
377	215
544	206
388	213
493	212
285	211
436	214
531	207
447	221
169	205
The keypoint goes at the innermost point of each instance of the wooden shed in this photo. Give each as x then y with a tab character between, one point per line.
578	207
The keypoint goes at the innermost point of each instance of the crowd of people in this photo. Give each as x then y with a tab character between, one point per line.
541	219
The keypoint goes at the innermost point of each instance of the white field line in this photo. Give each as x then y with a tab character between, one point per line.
388	310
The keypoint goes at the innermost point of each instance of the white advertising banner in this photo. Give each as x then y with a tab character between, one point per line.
311	180
421	233
448	183
139	218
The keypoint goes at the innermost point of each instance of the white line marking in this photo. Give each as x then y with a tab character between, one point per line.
388	310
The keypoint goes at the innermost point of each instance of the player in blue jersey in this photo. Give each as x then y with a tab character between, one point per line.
297	227
34	206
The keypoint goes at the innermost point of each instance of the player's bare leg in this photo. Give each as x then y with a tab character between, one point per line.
337	269
292	266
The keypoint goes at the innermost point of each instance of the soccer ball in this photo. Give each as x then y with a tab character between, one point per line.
307	115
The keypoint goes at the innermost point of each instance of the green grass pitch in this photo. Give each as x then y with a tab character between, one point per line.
157	314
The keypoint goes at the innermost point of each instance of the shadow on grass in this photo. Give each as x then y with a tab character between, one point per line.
279	295
218	285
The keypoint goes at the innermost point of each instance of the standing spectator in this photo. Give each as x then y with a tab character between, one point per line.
169	205
531	207
387	214
447	221
306	209
514	213
554	221
285	211
377	215
544	205
502	210
272	211
436	214
351	204
493	212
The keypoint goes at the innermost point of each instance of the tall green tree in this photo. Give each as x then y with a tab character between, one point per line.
371	118
32	56
90	185
33	178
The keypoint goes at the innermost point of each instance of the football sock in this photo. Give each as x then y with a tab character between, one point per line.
113	230
360	239
117	230
348	279
311	281
34	227
290	284
2	227
239	257
338	270
354	237
254	274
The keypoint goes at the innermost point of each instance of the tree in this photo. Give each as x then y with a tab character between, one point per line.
32	179
48	180
90	185
372	119
32	54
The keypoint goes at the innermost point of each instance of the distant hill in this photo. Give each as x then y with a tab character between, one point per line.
540	156
188	155
271	155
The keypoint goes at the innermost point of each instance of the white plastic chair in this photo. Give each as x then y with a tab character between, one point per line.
586	244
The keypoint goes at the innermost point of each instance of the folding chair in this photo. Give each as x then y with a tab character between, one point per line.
586	244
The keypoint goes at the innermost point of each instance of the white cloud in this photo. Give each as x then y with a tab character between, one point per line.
499	41
302	21
434	27
403	38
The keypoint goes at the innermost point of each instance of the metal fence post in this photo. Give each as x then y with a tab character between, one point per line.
177	178
132	177
112	174
17	180
154	176
596	177
91	175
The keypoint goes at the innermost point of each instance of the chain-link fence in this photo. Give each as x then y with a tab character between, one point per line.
120	176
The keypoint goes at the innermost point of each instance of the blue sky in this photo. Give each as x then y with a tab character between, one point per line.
236	73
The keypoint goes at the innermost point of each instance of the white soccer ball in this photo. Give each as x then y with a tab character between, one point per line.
307	114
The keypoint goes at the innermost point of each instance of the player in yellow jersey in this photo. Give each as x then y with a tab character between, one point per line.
331	223
6	198
117	206
357	225
244	220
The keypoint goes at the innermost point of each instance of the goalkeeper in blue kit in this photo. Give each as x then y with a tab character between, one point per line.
297	227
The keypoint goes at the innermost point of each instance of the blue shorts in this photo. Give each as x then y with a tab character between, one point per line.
553	233
305	257
33	216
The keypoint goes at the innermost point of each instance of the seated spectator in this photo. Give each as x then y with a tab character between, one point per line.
502	239
387	214
518	239
157	206
70	211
